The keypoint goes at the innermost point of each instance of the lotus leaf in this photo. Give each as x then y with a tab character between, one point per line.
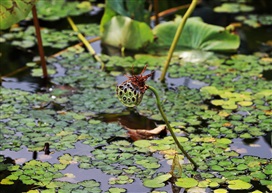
124	32
197	35
13	11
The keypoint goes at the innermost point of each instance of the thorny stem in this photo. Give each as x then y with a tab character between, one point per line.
169	127
176	38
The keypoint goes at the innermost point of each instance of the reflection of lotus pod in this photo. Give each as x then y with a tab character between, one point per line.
129	94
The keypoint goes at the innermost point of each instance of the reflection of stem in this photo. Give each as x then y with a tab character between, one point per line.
15	72
86	43
169	127
176	38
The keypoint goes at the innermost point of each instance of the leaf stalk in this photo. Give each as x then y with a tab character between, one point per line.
176	38
169	127
86	43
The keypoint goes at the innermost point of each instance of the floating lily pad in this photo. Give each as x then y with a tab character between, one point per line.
233	8
158	181
238	185
186	182
61	9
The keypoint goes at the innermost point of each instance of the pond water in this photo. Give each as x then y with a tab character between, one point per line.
22	80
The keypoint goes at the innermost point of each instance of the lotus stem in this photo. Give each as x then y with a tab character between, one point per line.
169	127
86	43
156	10
176	38
39	39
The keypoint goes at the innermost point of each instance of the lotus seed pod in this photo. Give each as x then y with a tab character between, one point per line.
129	94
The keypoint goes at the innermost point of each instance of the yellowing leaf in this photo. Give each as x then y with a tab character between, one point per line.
6	181
239	185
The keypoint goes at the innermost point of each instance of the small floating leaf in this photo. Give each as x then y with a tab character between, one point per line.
238	185
220	190
186	182
6	181
116	190
158	181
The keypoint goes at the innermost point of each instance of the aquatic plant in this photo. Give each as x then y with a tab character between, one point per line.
131	92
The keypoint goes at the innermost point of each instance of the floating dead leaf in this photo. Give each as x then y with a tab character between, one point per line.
146	134
209	139
241	150
20	160
223	114
61	112
254	145
268	112
45	157
228	124
267	60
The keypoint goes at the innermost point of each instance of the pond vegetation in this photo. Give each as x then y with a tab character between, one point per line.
71	133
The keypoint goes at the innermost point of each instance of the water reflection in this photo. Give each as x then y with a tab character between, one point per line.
259	146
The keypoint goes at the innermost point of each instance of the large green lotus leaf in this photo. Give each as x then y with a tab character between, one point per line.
12	11
124	32
132	9
197	35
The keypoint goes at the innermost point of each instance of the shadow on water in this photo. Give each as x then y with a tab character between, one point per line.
267	75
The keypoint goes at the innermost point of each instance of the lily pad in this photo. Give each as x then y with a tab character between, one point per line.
238	185
158	181
186	182
233	8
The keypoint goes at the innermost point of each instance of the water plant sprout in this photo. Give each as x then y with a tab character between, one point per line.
131	92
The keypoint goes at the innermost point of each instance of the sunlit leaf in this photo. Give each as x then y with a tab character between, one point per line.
238	185
13	11
186	182
123	32
197	35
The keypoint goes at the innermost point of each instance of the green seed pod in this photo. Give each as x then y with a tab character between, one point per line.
129	94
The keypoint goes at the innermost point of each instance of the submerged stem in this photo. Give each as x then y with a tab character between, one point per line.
169	127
